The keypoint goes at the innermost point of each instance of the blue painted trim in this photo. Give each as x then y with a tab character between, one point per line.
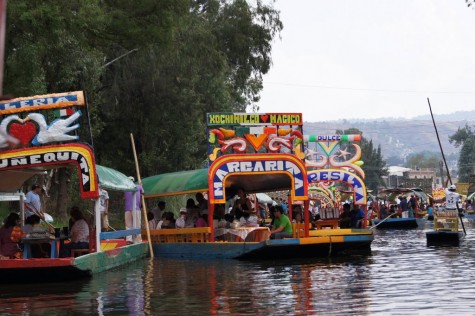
119	233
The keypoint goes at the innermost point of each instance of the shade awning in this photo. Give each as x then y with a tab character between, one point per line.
114	180
175	183
12	180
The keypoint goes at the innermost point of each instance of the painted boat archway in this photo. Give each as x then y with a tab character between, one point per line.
254	165
340	175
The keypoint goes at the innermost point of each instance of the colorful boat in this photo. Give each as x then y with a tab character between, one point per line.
30	145
393	222
448	229
258	153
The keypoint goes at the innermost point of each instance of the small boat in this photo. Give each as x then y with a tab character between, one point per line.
263	158
29	147
448	229
399	223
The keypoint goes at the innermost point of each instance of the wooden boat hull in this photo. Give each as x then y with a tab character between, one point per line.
66	269
323	243
400	223
444	237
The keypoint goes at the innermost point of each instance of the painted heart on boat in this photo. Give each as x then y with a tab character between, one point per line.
23	131
264	118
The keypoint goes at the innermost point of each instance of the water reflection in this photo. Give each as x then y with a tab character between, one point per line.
401	276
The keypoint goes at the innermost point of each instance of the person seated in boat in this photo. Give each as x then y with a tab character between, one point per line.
32	228
10	236
219	212
393	211
345	217
298	219
152	221
184	221
383	212
241	204
357	216
203	220
168	221
201	202
192	211
282	227
79	234
297	214
249	219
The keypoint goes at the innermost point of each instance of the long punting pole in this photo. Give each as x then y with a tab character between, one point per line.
440	144
144	206
445	162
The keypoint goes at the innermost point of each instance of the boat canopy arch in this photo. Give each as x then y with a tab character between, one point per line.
257	173
341	175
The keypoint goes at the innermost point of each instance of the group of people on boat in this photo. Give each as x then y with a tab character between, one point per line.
13	235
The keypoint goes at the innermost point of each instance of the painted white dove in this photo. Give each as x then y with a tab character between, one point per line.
56	132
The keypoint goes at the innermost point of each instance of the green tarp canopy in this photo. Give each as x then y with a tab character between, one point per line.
114	180
182	182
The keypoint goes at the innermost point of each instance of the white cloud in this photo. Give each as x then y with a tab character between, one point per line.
372	58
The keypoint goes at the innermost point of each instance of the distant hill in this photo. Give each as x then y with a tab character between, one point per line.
401	137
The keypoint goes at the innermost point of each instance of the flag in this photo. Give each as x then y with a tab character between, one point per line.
63	112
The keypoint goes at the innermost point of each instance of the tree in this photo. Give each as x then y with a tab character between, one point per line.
190	58
465	138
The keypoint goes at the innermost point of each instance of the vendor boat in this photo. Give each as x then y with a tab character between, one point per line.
448	229
257	153
30	146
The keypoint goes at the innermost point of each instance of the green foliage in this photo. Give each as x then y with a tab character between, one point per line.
465	138
152	68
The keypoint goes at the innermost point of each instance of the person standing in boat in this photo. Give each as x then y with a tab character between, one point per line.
451	198
104	208
282	227
133	209
33	202
412	206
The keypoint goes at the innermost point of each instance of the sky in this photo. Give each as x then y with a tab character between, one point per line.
370	59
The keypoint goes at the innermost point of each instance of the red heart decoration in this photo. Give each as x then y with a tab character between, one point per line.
24	132
264	118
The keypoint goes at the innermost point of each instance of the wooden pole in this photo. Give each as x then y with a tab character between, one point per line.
144	206
449	179
440	144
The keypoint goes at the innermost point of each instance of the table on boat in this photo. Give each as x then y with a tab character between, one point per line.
255	234
28	241
327	223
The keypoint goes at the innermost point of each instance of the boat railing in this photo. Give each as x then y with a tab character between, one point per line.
446	221
180	235
299	229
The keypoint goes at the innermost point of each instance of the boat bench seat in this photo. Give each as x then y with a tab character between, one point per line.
180	235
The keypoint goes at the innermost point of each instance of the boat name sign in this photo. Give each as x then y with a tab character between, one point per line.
236	167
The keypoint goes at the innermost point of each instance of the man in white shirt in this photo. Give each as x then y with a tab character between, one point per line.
451	198
33	202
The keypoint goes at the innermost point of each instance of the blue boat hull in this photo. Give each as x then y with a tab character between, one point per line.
310	247
400	223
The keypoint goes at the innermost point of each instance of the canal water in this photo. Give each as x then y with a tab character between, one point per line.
401	276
